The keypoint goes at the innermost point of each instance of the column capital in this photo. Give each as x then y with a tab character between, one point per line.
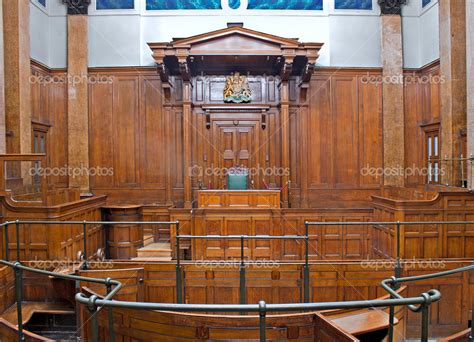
391	6
77	6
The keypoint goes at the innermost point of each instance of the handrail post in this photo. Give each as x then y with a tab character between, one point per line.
391	319
306	265
7	243
398	267
179	290
17	225
19	299
93	318
262	307
110	312
424	322
471	334
243	297
85	266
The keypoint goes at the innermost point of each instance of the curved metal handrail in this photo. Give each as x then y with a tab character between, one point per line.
93	303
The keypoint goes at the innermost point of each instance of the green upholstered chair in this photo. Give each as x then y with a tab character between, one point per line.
237	179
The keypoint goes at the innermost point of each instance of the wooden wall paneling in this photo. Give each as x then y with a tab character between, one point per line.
152	137
160	283
58	136
295	156
303	146
413	133
125	129
7	288
56	242
370	131
451	313
177	153
345	125
101	131
320	136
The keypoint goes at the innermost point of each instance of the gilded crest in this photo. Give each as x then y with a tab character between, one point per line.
237	89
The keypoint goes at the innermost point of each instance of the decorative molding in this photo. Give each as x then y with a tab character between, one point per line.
75	7
393	7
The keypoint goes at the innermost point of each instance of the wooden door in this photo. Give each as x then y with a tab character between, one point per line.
237	145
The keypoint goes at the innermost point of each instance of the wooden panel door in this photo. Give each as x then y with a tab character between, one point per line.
238	144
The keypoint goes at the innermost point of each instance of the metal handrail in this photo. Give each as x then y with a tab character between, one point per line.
93	303
392	282
19	268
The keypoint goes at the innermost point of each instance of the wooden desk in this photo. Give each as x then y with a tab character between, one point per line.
239	199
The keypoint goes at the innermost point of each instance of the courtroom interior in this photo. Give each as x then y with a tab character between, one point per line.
237	170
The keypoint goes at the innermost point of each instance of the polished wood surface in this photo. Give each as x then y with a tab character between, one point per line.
239	199
123	239
59	241
425	240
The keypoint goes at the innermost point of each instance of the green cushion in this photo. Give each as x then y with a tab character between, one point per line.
237	181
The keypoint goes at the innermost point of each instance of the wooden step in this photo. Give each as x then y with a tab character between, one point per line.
148	240
152	259
156	249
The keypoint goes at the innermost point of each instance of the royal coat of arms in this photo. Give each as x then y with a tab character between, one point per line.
237	89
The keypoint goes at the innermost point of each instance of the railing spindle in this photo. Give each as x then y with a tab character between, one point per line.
93	317
262	307
306	265
17	225
7	244
85	266
398	266
179	290
424	322
19	299
243	296
110	312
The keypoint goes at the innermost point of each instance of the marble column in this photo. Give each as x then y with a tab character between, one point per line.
452	41
78	98
470	87
392	92
17	71
3	147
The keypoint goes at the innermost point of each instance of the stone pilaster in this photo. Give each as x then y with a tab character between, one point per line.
3	147
16	53
470	86
452	40
392	92
78	95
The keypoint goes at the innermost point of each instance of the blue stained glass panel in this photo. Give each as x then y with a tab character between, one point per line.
425	2
234	4
182	4
286	4
353	4
115	4
42	2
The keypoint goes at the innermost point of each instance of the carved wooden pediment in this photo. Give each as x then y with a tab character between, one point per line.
235	48
235	44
